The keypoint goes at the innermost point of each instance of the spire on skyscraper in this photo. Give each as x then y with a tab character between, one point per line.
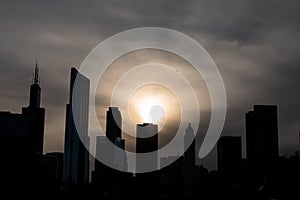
36	78
34	109
35	90
189	130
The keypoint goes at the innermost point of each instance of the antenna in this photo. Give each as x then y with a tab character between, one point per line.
36	79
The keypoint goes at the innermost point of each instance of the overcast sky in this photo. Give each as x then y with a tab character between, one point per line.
254	43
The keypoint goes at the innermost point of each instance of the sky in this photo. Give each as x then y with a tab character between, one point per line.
254	43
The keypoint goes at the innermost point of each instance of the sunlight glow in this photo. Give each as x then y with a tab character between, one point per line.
151	110
153	103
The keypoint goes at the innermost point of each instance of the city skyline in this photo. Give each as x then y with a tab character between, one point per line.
261	123
254	44
36	80
63	173
160	99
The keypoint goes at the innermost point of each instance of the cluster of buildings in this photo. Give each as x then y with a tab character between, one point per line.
24	165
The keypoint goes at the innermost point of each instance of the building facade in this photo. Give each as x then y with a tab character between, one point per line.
76	154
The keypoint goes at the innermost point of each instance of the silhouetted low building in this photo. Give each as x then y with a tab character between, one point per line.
16	149
262	136
103	176
171	177
229	153
52	164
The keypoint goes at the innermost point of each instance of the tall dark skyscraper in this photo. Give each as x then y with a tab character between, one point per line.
113	124
21	141
35	90
76	160
262	135
189	161
145	144
108	180
37	112
189	146
114	134
229	152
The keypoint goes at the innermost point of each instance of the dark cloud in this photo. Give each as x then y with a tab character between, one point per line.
254	43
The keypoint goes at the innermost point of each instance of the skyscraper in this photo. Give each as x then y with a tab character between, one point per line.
76	156
229	152
113	124
37	112
189	146
108	180
146	141
189	162
262	135
21	141
120	158
16	152
114	134
103	175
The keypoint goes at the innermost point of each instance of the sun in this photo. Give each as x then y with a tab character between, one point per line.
153	103
151	110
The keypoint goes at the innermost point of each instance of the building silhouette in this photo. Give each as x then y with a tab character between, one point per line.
76	155
37	113
21	142
107	180
113	124
24	169
229	153
120	158
262	135
189	169
146	142
114	134
171	177
103	175
147	184
16	152
165	161
52	164
190	147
